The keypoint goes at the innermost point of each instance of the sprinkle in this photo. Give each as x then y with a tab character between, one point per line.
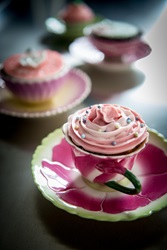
136	134
117	125
113	143
137	118
128	120
83	136
84	119
100	130
76	127
90	107
87	112
77	118
99	106
142	125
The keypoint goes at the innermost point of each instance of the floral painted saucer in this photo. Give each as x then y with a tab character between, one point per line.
83	49
73	92
60	182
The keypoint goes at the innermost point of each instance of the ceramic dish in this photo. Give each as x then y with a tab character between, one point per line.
57	27
60	182
73	92
82	48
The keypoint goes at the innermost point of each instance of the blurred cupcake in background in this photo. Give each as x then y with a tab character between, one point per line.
118	40
34	76
76	15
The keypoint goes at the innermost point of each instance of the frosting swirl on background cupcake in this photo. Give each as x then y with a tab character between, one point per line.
76	13
34	65
107	129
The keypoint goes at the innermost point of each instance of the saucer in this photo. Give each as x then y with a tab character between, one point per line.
60	182
73	92
83	49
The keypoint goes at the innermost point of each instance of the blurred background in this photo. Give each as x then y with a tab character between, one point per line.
22	26
23	22
24	212
140	12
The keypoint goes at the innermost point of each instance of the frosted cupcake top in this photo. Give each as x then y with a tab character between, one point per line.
113	30
34	65
106	129
76	12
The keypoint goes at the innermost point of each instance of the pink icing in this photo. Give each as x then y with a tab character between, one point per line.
106	129
76	13
49	67
115	30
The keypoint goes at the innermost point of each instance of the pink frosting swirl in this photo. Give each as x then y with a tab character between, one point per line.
83	13
107	129
50	65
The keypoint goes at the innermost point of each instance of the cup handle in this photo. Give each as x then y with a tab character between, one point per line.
132	178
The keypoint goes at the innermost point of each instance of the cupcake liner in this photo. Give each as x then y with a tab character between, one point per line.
34	91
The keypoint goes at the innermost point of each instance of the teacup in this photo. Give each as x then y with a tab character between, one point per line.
114	38
106	169
34	77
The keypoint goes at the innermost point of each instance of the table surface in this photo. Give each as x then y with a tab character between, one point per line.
28	220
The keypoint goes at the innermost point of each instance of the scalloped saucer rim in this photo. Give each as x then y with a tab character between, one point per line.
44	151
9	105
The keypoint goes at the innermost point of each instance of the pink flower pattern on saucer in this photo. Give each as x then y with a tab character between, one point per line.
68	185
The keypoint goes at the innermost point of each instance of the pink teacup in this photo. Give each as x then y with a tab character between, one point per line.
34	77
114	38
106	169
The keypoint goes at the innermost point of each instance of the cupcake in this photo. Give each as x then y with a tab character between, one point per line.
114	38
76	16
34	76
105	140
